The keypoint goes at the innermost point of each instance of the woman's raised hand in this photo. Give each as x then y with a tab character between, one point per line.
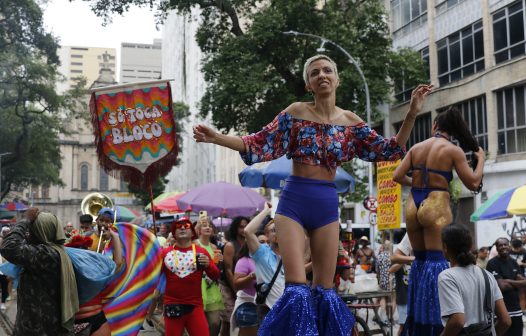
418	96
204	133
480	154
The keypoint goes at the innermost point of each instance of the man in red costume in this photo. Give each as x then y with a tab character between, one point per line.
183	265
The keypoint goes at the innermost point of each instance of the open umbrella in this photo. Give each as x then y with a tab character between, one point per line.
503	204
169	203
222	199
126	214
222	222
14	206
274	173
160	198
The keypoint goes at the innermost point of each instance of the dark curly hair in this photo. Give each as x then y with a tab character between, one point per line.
458	241
232	230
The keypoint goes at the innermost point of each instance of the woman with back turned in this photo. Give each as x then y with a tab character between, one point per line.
427	211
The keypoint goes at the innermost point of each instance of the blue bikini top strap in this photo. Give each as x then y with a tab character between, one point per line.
448	175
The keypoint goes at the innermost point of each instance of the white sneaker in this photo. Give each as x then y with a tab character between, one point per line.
3	307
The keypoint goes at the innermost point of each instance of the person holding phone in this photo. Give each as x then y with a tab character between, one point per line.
427	210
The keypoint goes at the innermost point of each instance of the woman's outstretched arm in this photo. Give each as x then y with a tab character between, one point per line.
418	96
205	134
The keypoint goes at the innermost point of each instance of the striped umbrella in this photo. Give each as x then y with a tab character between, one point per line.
503	204
126	214
161	197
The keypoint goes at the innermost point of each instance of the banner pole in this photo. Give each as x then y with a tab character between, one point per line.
153	209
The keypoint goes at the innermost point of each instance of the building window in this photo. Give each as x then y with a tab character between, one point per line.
103	182
511	116
508	32
76	71
474	113
84	176
45	191
79	48
446	4
76	63
402	88
421	130
77	56
461	54
405	11
123	185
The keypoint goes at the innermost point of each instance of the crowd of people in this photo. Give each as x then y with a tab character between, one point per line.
286	275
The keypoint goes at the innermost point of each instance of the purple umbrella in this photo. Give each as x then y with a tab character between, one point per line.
222	199
222	222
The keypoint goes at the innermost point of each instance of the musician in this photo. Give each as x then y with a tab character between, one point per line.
105	230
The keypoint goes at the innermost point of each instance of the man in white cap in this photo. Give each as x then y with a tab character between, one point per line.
365	255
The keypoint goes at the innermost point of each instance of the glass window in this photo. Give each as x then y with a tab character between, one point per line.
516	28
84	177
460	54
511	112
421	130
123	185
104	180
404	12
520	109
467	50
45	191
508	32
402	89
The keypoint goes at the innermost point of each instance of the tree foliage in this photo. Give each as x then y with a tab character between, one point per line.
31	110
253	70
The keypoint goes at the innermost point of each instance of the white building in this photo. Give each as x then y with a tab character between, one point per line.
182	61
140	62
476	52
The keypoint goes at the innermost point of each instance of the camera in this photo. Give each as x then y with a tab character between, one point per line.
203	215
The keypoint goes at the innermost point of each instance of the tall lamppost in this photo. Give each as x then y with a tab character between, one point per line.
353	62
2	154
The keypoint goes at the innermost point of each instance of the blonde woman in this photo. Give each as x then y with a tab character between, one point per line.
212	299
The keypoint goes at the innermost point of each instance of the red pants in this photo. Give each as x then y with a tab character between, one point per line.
195	323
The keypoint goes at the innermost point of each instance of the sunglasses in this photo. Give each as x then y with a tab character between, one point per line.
185	226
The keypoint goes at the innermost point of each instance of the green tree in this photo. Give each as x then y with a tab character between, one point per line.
181	114
31	110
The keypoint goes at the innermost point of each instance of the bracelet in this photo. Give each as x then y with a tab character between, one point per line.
479	188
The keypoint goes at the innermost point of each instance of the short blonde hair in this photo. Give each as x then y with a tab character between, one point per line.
312	59
198	225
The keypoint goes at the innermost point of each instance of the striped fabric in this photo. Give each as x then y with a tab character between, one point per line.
129	294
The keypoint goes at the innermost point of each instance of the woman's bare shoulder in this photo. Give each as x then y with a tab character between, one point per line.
350	118
297	109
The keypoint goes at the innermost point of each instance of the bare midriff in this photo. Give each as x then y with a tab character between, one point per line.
318	172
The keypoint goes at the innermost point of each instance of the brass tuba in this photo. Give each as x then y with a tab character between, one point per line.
92	203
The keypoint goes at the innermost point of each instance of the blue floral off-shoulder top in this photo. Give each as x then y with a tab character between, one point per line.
312	143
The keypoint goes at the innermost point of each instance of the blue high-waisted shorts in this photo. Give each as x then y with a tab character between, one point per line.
312	203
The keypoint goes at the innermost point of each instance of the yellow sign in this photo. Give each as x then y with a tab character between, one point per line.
389	196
